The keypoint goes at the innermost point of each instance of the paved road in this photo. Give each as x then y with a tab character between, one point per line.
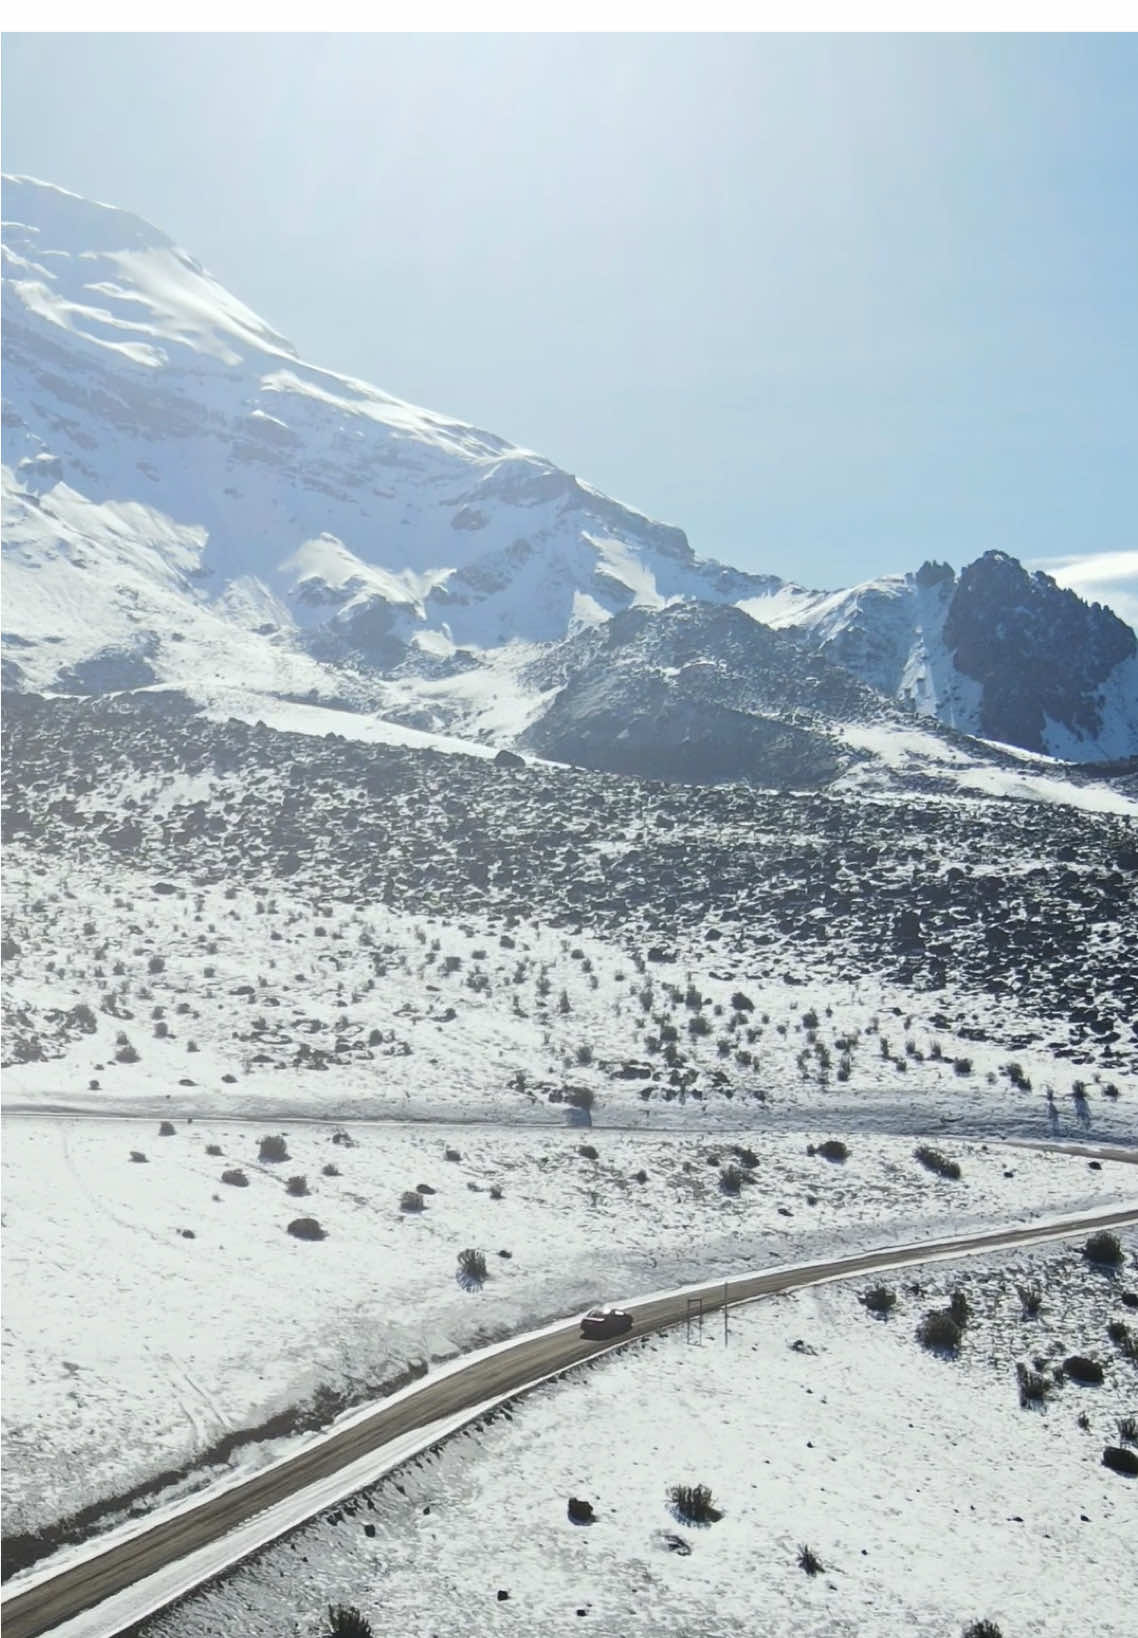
507	1370
668	1120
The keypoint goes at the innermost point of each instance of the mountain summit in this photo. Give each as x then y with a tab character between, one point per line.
188	502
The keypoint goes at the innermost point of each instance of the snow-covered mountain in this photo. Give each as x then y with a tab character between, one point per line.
172	464
994	652
187	502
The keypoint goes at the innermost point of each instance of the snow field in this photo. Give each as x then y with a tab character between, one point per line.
931	1498
153	1312
251	976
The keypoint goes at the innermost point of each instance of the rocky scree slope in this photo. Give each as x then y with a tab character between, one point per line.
1020	913
188	502
699	694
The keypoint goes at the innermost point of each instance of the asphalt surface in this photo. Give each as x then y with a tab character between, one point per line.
509	1370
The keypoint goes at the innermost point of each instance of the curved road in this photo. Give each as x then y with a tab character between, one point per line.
498	1372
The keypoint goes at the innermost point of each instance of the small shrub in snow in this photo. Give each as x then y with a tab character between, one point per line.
297	1185
213	1148
1120	1460
808	1560
410	1200
1081	1369
938	1329
156	964
1103	1247
587	1151
1033	1386
472	1265
693	1503
1031	1300
959	1308
962	1066
125	1052
272	1150
330	1170
306	1228
345	1621
731	1179
166	1129
236	1178
1123	1338
1128	1430
932	1160
879	1299
833	1149
982	1629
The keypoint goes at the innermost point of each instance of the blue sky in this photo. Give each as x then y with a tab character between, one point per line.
834	304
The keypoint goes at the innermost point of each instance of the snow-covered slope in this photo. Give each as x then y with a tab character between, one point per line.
161	440
187	502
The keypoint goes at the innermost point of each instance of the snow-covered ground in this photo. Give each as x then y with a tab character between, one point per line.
929	1495
360	1010
916	750
156	1316
153	1310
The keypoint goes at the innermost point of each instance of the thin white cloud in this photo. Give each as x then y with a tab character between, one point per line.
1101	577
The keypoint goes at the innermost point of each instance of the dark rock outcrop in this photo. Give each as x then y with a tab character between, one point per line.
1036	649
